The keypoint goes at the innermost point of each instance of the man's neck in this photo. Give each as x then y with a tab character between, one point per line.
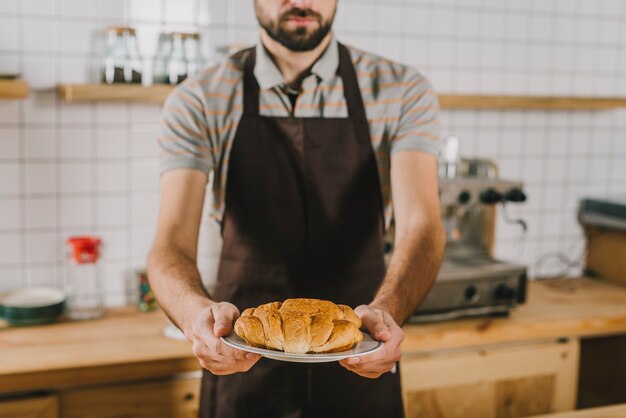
293	65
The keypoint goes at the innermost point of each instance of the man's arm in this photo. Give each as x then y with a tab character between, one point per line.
172	269
419	245
419	235
176	281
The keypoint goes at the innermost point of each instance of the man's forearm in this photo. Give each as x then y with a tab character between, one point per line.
412	270
176	283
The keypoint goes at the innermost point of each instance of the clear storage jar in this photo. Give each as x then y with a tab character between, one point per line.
122	61
82	278
195	60
185	58
160	62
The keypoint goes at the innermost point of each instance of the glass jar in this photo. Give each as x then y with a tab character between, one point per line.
185	58
122	61
195	61
159	65
177	61
82	279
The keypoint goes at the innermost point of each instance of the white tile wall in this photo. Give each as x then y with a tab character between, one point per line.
93	168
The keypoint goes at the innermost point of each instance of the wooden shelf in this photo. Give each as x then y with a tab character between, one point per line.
461	101
158	93
13	89
113	92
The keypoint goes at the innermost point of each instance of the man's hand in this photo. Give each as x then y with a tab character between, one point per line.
382	327
205	330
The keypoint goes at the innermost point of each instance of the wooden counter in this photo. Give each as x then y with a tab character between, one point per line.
555	308
127	345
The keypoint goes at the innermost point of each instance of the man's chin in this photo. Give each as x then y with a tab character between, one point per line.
300	39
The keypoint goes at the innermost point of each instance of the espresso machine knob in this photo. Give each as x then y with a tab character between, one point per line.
490	197
471	294
515	195
464	197
505	293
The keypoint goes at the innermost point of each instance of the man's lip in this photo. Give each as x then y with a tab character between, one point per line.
301	19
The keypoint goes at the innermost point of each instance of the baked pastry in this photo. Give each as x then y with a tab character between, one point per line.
300	326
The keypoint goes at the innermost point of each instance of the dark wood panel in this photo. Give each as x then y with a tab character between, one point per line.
602	376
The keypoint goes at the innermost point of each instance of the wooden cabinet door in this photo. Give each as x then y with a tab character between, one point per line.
492	382
171	398
40	407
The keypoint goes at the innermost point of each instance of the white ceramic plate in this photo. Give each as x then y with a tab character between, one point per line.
33	297
367	346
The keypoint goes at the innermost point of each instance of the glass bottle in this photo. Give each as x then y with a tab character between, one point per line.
159	65
122	62
195	61
82	281
133	71
114	56
177	61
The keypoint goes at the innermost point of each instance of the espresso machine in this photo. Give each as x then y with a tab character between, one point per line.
471	281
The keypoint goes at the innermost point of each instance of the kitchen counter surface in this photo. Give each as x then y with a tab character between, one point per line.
554	308
128	345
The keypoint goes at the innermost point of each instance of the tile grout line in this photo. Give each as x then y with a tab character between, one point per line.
21	166
59	271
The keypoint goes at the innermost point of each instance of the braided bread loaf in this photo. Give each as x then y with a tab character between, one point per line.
300	326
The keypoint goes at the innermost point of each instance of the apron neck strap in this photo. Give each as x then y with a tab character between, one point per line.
250	86
351	89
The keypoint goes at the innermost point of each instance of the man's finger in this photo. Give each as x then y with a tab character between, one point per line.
368	358
365	373
373	363
378	367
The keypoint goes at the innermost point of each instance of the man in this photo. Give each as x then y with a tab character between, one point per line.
309	143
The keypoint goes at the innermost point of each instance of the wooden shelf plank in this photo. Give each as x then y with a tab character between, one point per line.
113	92
461	101
13	89
158	94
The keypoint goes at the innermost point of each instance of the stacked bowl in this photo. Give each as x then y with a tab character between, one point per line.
31	306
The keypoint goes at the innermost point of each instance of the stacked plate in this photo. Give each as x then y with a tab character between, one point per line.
32	306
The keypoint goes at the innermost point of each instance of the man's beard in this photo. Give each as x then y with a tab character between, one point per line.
298	40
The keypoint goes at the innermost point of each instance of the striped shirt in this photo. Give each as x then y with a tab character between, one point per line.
200	117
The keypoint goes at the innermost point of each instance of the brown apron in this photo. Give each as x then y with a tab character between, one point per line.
303	218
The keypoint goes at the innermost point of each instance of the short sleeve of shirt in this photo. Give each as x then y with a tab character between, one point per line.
184	138
418	127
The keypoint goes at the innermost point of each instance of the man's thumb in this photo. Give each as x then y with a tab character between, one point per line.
223	323
374	324
380	330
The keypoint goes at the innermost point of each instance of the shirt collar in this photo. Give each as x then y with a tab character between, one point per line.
268	75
